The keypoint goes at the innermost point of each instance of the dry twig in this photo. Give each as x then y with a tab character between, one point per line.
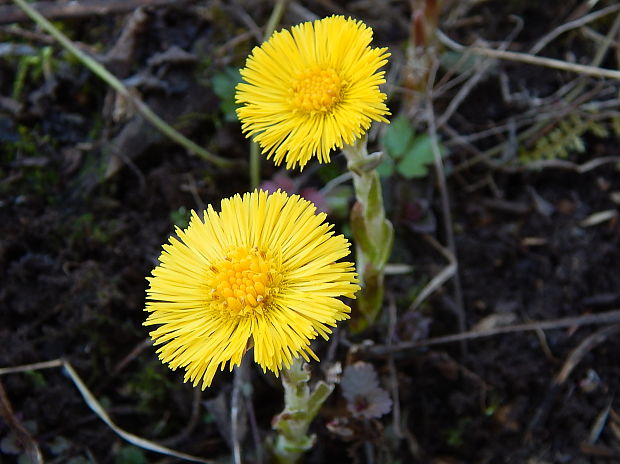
585	70
445	203
98	409
23	436
610	317
64	10
481	70
96	67
543	41
573	359
438	280
393	317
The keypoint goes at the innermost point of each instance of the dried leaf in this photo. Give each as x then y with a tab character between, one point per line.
360	387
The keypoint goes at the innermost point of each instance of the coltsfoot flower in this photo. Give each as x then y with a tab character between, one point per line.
311	89
262	273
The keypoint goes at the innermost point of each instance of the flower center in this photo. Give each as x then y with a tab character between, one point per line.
244	282
316	90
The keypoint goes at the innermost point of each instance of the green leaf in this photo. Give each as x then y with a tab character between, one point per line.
37	379
338	201
79	460
10	444
418	157
59	445
360	231
180	217
223	85
386	168
130	455
387	241
458	62
398	137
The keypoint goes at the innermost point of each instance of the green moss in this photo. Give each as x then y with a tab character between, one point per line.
567	137
149	385
29	178
87	227
32	68
180	217
454	435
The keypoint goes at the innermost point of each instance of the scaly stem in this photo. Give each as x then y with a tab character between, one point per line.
117	85
300	408
372	232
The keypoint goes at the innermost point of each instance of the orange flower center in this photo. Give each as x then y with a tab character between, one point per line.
316	90
244	282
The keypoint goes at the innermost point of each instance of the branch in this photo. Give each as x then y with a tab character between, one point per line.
64	10
610	317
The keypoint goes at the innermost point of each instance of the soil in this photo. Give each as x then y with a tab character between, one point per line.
89	192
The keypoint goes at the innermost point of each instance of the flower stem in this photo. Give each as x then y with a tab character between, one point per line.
300	407
254	165
117	85
373	233
274	19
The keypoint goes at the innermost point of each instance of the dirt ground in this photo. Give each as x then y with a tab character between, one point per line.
89	191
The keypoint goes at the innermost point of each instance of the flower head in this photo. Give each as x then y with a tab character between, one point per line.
311	89
261	273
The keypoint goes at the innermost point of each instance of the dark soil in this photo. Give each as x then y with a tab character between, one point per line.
89	192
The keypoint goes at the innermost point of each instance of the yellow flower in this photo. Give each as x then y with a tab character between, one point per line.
262	273
312	89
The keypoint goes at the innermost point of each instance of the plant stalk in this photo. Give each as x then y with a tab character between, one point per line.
372	231
300	407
